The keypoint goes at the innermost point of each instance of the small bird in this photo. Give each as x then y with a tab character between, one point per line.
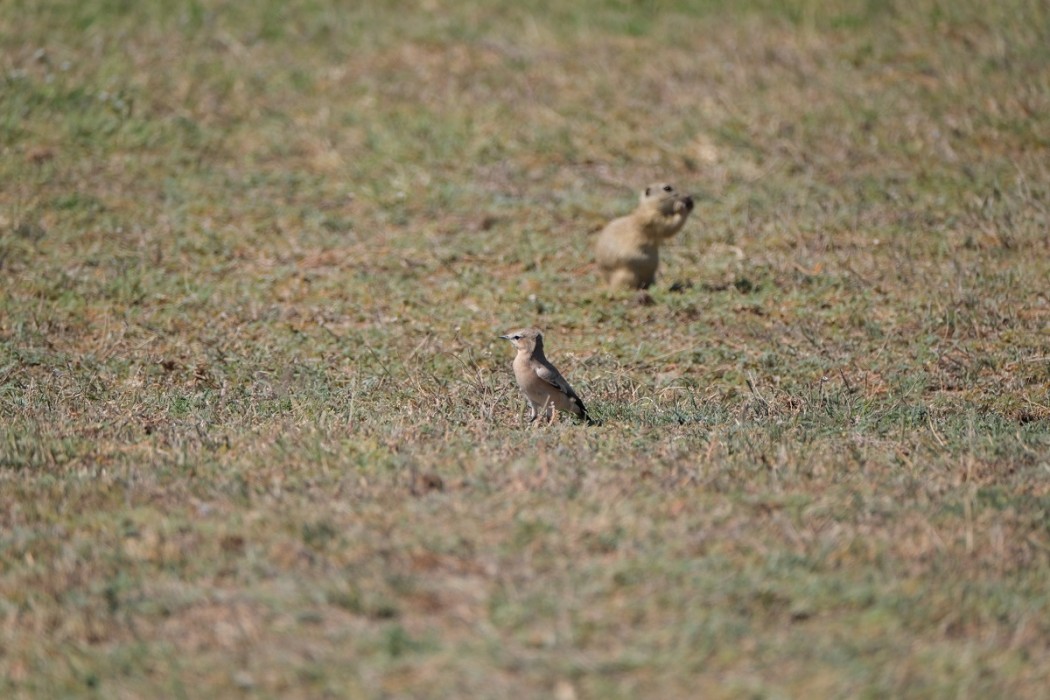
542	384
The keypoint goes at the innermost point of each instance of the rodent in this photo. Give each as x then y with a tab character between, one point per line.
627	249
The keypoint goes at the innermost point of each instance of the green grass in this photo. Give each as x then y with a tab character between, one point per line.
258	435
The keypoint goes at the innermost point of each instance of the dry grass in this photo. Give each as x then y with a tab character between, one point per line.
258	435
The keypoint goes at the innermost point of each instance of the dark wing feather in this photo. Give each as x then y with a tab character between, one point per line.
552	376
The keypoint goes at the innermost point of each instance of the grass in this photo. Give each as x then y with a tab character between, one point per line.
259	435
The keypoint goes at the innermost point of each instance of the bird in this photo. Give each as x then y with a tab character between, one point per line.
543	386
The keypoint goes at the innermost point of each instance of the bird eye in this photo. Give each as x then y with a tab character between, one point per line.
516	337
647	191
668	188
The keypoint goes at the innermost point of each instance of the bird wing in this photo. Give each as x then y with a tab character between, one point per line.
553	377
549	374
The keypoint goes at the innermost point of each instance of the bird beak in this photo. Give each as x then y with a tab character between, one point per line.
505	337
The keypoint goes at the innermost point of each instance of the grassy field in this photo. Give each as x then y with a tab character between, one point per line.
259	437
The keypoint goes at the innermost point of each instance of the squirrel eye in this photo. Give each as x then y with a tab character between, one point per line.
668	188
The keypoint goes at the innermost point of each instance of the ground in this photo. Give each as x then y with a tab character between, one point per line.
259	436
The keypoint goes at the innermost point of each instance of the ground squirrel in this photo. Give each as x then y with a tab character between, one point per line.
628	248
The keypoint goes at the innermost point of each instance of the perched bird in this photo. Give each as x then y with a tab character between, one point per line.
542	384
